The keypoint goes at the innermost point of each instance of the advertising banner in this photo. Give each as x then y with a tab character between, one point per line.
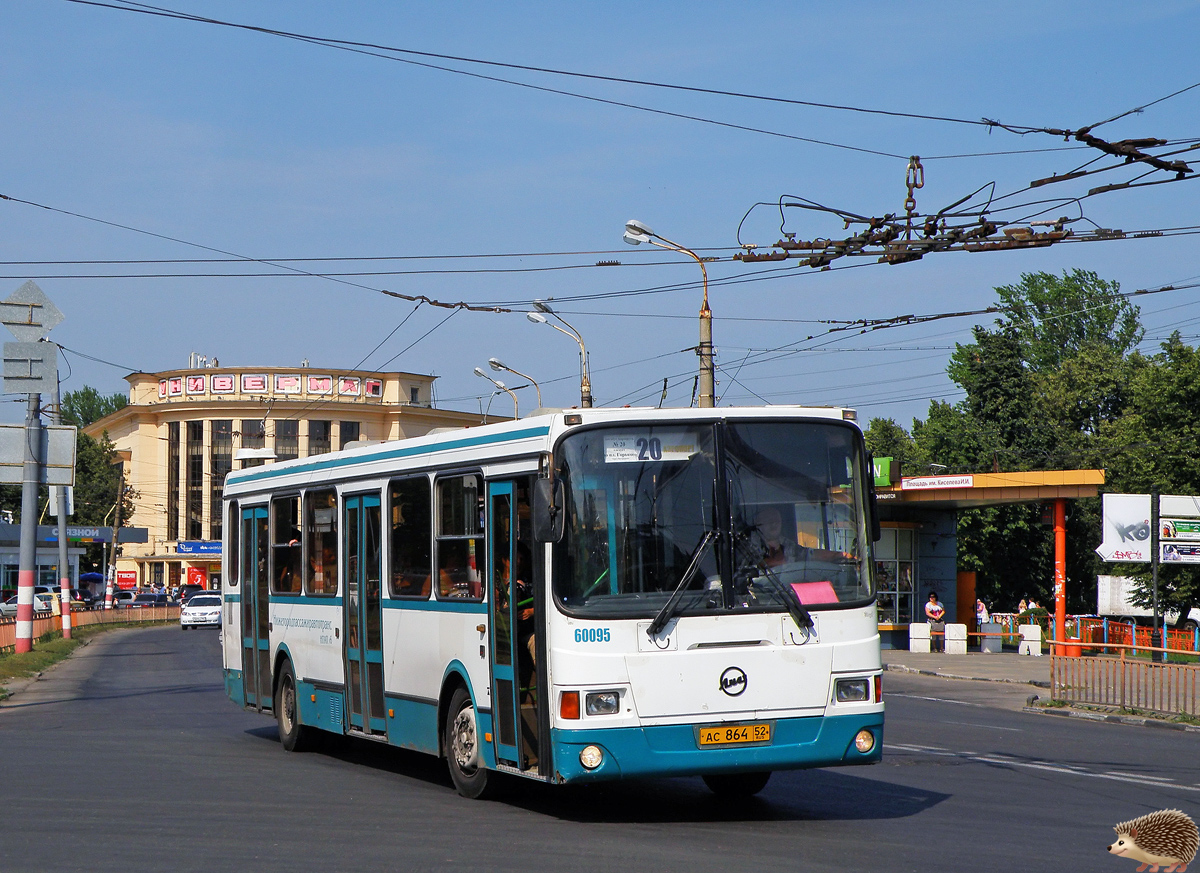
1126	528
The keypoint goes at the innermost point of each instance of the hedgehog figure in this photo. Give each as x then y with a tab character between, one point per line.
1165	838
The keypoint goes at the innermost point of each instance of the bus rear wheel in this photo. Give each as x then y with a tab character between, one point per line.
293	736
736	786
461	741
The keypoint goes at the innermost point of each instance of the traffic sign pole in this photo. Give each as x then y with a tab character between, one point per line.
26	571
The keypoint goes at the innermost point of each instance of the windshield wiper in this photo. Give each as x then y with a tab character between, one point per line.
664	614
791	599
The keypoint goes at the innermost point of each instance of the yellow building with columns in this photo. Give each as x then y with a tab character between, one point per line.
184	430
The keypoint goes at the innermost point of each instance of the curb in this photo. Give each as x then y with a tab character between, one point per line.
1137	720
901	668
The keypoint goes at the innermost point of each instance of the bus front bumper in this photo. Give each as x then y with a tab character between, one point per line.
673	750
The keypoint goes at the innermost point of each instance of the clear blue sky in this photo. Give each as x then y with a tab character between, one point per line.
271	148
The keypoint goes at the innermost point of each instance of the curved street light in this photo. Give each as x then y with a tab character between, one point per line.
585	379
499	366
479	372
637	233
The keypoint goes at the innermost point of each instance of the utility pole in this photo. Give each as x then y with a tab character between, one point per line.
64	572
110	572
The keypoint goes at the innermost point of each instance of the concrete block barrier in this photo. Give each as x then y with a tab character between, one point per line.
1031	640
918	637
956	639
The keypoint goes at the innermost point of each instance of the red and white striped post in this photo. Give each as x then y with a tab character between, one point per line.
27	570
64	570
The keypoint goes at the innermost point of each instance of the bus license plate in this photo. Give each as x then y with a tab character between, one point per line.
735	734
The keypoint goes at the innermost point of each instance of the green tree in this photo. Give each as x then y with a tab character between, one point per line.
1056	317
886	439
86	405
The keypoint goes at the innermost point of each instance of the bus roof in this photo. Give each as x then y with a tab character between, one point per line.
525	437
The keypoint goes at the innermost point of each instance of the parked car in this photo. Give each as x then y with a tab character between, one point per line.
142	600
202	610
42	602
121	599
87	598
188	590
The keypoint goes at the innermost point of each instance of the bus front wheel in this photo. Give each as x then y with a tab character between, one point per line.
737	785
293	736
461	741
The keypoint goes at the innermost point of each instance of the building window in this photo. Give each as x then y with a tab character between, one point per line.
195	480
414	396
287	439
894	568
174	575
156	574
172	480
220	463
253	437
320	437
349	432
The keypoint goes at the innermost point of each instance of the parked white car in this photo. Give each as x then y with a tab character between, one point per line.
202	610
41	603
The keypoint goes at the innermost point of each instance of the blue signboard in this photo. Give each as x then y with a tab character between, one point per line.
199	547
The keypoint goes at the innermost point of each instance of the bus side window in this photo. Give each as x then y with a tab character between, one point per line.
460	552
232	530
321	542
411	538
285	545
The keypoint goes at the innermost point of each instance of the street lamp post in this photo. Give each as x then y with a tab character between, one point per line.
498	366
585	379
516	411
637	233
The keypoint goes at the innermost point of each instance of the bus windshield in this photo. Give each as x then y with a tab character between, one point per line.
763	514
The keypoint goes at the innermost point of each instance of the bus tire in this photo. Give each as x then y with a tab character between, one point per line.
293	736
461	742
737	786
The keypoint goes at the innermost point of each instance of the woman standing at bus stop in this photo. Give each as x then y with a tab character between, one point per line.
935	613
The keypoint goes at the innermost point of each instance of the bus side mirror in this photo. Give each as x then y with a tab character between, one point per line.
548	513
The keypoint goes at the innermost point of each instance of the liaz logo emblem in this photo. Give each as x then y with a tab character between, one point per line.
733	681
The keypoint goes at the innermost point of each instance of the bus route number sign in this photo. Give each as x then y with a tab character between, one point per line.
649	446
734	735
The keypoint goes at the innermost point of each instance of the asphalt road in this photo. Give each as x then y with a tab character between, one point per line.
134	745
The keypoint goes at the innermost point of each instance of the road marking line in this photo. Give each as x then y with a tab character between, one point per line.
1067	769
938	699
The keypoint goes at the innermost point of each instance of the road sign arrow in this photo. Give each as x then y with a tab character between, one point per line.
29	314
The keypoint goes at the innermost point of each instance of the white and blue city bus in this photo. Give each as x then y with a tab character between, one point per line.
582	595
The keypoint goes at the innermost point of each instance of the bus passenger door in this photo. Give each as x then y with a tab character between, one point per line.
364	625
256	615
510	605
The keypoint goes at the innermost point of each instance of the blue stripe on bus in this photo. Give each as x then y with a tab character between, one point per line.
233	598
671	750
436	605
272	471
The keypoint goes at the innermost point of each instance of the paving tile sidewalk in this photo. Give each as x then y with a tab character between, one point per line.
1018	669
1003	667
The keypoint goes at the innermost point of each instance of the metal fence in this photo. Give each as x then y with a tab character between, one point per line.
43	623
1128	683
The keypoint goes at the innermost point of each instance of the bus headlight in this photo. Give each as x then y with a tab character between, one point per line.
864	741
591	757
602	702
852	690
